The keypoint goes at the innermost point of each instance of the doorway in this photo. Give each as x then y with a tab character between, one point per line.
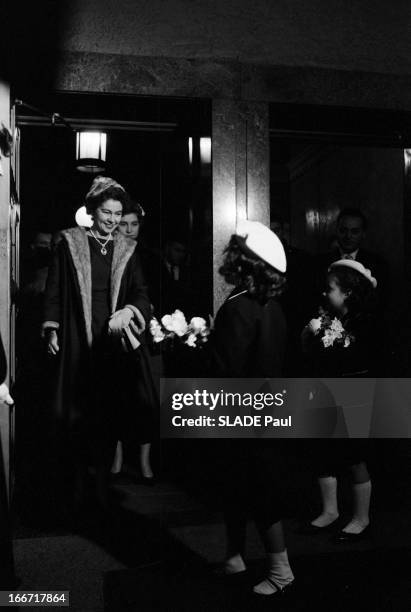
159	149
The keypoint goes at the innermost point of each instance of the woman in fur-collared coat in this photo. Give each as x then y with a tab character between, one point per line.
95	304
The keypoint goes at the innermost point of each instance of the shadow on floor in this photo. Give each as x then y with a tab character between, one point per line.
343	582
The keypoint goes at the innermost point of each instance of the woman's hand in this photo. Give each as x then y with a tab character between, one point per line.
120	321
52	344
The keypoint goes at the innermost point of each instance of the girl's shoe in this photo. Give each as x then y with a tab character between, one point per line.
280	591
310	529
345	537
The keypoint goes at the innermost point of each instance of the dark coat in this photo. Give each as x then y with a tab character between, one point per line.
68	309
249	338
249	341
369	260
359	359
177	294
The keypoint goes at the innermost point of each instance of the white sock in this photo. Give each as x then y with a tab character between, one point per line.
361	517
234	565
328	488
279	571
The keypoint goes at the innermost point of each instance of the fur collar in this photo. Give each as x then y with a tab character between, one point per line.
80	254
123	249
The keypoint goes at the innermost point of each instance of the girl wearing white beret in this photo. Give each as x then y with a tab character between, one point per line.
249	341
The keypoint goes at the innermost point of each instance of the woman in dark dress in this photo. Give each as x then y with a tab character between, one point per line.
249	341
143	422
350	294
95	295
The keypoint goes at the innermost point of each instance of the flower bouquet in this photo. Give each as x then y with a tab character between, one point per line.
175	326
330	331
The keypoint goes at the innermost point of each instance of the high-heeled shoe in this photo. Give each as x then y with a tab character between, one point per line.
146	481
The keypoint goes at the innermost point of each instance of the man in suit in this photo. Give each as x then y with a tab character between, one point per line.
175	289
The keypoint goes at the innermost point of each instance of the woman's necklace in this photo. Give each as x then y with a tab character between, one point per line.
102	244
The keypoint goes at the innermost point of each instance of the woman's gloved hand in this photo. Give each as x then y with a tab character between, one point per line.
52	342
120	321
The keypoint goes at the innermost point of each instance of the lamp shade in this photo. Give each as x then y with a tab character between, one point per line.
91	151
205	150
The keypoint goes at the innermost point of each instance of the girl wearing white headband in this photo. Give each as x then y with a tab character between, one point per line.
350	296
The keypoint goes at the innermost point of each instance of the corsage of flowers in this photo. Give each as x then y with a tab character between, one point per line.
175	325
331	331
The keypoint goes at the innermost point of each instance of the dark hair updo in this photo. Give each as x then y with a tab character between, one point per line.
244	269
111	193
361	295
132	207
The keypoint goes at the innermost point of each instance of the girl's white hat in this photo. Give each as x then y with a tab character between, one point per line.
259	239
356	265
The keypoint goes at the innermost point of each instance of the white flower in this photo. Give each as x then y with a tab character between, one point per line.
327	339
156	331
191	340
158	336
198	324
315	325
154	324
337	327
347	341
167	322
175	323
179	323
